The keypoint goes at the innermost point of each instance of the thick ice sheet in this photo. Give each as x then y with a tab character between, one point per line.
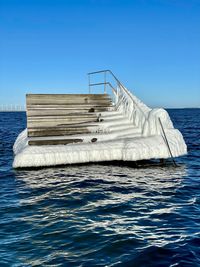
127	149
132	132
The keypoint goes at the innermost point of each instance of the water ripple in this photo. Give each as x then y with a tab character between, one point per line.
101	214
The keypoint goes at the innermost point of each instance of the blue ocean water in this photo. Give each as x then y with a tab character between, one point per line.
101	214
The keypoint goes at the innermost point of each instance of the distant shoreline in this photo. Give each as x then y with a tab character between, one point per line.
12	111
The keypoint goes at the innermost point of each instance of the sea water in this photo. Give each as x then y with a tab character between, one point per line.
110	214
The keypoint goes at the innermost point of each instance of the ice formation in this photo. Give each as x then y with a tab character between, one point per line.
131	132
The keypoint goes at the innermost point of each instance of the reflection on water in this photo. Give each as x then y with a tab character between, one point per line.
79	205
101	214
157	177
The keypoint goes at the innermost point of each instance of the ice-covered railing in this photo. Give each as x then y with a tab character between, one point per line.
125	102
150	121
131	107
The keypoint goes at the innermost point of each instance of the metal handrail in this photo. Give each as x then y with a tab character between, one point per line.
129	94
167	143
119	84
107	83
101	71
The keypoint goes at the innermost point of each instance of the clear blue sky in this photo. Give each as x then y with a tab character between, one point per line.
153	46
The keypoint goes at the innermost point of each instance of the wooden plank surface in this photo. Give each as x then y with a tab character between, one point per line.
65	98
57	132
69	95
62	103
67	116
62	115
57	112
53	142
69	121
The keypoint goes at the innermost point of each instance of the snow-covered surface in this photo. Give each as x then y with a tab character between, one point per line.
132	132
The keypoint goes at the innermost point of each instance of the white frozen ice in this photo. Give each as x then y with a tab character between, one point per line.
132	132
127	149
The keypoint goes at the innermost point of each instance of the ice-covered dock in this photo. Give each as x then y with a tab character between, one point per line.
74	128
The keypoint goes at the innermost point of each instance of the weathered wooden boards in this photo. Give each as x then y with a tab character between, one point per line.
63	115
54	142
65	98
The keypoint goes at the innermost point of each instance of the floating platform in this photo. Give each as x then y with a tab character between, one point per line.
82	128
